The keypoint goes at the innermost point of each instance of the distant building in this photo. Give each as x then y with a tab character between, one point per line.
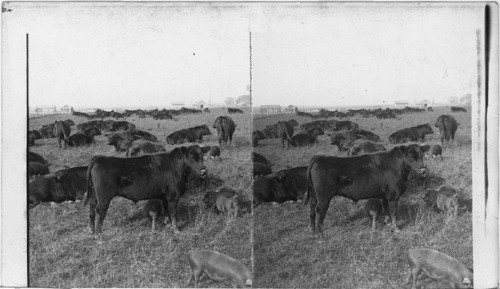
200	104
401	103
424	103
177	105
66	109
290	109
270	109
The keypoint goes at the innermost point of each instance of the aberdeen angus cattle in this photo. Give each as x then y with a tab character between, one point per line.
382	175
447	126
34	157
63	185
308	137
101	125
285	132
260	169
61	132
430	108
458	109
286	185
256	136
140	134
343	141
364	146
144	147
213	152
323	124
225	129
303	114
37	169
32	136
206	110
47	131
82	138
120	125
436	151
346	125
234	110
416	133
122	141
258	158
270	131
69	122
159	176
193	134
367	135
80	114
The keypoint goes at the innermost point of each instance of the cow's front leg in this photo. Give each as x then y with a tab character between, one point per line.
173	201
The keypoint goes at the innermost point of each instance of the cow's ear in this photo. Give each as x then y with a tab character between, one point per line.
402	149
206	149
425	148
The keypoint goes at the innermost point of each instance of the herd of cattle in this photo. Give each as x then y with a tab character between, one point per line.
369	172
149	172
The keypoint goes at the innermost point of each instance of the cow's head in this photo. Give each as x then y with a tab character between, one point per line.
439	121
217	123
293	122
427	129
194	158
414	157
205	130
93	131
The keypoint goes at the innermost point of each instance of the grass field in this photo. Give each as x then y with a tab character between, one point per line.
62	252
350	255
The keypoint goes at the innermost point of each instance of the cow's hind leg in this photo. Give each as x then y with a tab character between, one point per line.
92	208
101	210
312	214
321	209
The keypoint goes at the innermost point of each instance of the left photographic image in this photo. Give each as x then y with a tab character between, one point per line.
138	142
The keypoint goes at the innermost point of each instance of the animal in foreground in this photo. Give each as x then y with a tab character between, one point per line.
446	199
218	267
37	169
225	200
153	209
438	266
260	169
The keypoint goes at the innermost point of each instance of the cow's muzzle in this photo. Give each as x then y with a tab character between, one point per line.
423	172
203	172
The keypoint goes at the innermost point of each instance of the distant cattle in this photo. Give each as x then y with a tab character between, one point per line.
218	267
224	200
80	114
120	125
447	126
346	125
157	176
323	124
64	185
430	108
140	134
256	136
85	137
122	141
234	110
37	169
416	133
153	209
143	147
101	125
206	110
286	185
285	132
32	136
458	109
193	134
62	132
382	175
303	114
256	157
260	169
368	135
364	146
225	127
308	137
47	131
34	157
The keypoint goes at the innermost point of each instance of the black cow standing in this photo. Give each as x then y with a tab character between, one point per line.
159	176
225	129
447	126
285	132
382	175
62	131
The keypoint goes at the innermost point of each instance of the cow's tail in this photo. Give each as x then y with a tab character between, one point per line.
90	194
310	193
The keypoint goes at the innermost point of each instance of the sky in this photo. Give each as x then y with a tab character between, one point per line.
129	54
113	55
364	54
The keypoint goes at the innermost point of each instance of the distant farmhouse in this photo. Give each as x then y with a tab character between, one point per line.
270	109
177	105
47	110
290	109
200	104
401	103
424	104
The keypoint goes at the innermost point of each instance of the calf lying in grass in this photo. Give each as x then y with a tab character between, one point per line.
218	267
438	266
225	200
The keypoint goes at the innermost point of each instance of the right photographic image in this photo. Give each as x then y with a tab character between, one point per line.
363	144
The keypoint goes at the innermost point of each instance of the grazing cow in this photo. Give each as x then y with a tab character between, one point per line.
62	132
144	147
438	266
82	138
258	158
382	175
140	134
47	131
37	169
225	129
225	200
458	109
159	176
285	132
34	157
436	151
64	185
256	136
364	146
122	141
32	136
367	135
153	209
294	181
447	127
374	208
218	267
193	134
260	169
214	151
206	110
234	110
416	133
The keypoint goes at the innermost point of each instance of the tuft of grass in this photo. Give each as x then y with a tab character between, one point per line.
350	255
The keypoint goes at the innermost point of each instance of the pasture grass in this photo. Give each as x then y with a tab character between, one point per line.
350	254
63	253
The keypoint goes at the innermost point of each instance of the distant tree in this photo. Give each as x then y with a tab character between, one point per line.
230	100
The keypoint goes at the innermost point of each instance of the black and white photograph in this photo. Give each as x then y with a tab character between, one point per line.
249	144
